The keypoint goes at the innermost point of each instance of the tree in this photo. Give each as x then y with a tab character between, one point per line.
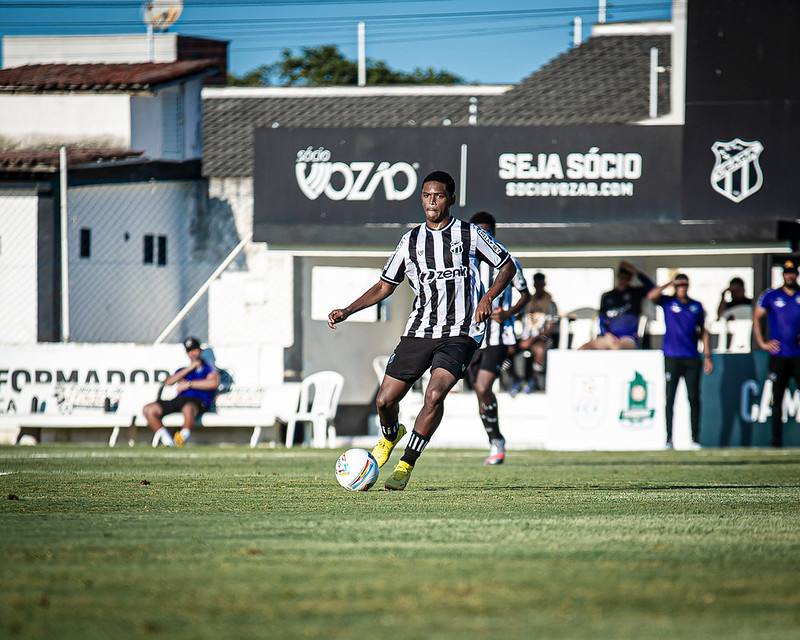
326	66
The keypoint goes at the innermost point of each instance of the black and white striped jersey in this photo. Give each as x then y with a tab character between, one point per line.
442	269
502	334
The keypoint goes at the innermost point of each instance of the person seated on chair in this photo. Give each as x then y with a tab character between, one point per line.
620	309
540	334
197	385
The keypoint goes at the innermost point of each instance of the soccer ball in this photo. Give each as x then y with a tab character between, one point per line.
356	470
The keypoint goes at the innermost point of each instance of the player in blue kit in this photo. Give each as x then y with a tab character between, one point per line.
781	308
684	319
620	309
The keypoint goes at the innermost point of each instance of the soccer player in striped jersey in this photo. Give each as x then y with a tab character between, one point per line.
447	323
486	363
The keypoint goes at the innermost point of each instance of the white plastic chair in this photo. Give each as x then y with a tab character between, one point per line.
319	399
740	331
578	327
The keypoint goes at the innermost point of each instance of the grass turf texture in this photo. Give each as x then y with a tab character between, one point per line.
228	543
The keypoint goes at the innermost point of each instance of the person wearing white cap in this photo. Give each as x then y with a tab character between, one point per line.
197	385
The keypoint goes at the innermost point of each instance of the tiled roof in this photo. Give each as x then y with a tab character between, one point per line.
47	160
603	81
606	80
228	123
98	77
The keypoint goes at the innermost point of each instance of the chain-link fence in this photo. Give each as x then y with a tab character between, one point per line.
137	253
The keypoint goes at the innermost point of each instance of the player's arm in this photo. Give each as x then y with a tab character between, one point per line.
504	276
180	374
501	315
656	292
759	314
708	363
375	294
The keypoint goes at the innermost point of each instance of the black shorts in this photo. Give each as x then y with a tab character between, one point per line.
488	359
177	404
412	356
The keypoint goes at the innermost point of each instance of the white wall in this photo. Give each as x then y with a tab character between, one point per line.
37	120
113	295
22	50
18	266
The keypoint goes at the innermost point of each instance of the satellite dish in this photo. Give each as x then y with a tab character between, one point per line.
162	14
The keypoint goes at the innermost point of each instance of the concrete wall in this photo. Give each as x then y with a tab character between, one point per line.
32	121
22	50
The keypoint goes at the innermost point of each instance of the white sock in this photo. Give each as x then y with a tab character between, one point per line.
185	433
165	438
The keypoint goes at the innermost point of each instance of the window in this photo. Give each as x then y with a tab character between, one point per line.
162	251
148	249
155	250
86	243
336	287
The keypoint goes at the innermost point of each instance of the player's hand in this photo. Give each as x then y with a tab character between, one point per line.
773	346
336	316
708	366
483	310
499	315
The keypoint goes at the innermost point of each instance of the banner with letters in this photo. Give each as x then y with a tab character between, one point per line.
60	378
326	186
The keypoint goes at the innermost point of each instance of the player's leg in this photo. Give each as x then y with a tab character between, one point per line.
606	341
539	350
779	373
190	411
449	362
671	376
491	359
692	369
410	359
153	413
390	393
626	342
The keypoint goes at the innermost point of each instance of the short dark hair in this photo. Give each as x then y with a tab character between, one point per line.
445	178
737	280
538	276
484	217
681	276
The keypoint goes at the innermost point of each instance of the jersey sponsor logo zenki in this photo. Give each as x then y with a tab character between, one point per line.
317	175
737	174
444	274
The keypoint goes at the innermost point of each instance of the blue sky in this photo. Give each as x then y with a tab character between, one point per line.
501	41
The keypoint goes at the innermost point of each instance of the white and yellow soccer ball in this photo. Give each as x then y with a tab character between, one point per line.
356	470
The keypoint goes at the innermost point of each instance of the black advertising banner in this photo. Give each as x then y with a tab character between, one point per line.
353	186
738	162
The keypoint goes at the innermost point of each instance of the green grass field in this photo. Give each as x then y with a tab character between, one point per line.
210	542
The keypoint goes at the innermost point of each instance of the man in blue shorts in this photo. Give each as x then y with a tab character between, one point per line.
620	309
197	386
446	325
781	309
500	336
684	320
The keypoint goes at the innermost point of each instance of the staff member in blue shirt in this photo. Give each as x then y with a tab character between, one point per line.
781	308
620	309
684	320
